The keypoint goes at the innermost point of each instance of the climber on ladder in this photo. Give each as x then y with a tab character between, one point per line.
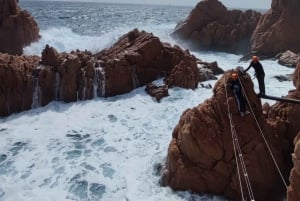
235	85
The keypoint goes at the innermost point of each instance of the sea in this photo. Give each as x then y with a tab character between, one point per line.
107	148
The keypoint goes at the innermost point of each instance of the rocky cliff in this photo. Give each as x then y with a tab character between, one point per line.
17	28
210	25
278	30
201	157
136	59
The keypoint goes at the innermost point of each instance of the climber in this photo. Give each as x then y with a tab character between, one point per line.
235	85
259	73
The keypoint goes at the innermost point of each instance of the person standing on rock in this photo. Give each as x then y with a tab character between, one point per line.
259	73
236	87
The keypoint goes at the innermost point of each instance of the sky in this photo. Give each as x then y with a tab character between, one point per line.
261	4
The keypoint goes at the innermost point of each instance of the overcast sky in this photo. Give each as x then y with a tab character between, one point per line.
228	3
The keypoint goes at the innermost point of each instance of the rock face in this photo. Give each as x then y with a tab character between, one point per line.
17	28
135	60
16	83
293	193
211	25
139	58
278	30
296	79
201	157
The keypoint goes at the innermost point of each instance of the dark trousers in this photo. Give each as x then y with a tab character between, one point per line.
261	83
240	101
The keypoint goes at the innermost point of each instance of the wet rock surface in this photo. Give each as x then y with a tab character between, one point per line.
17	28
136	59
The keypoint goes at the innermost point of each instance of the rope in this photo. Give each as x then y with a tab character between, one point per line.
263	136
237	150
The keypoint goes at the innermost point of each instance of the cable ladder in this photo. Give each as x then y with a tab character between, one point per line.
240	163
237	149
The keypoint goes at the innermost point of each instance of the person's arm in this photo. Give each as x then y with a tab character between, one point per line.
248	67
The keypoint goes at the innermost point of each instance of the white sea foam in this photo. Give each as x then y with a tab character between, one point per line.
65	40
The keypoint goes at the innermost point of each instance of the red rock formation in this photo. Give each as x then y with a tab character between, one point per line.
135	60
211	25
284	117
139	58
207	71
17	28
296	79
157	91
16	83
278	30
201	158
293	193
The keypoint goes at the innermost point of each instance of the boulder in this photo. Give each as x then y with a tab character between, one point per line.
17	28
283	78
210	25
201	156
157	92
289	59
208	71
278	30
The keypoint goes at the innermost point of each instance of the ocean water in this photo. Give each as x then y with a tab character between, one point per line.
107	148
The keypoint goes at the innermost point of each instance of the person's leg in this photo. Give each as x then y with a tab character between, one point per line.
242	105
261	83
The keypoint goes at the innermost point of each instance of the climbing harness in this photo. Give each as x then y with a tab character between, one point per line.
240	163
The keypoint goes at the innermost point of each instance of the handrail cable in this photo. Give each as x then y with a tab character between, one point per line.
263	136
247	180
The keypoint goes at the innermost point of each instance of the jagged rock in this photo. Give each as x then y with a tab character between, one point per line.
206	74
211	25
207	71
17	28
201	157
293	193
136	59
157	91
50	57
185	75
16	83
207	86
278	30
282	78
139	58
296	79
288	58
